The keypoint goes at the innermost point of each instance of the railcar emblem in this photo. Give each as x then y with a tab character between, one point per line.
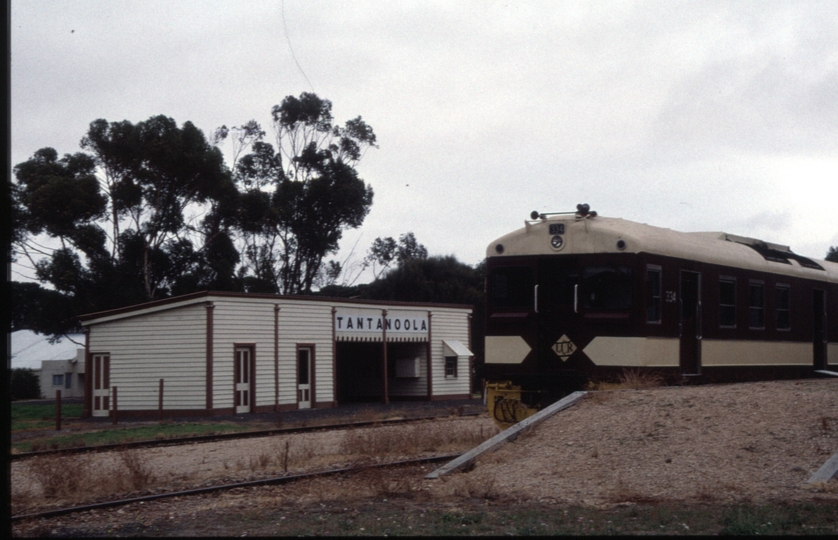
564	348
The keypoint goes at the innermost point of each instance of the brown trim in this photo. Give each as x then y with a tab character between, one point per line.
450	396
470	358
429	360
226	294
276	357
334	360
87	412
326	404
210	307
386	398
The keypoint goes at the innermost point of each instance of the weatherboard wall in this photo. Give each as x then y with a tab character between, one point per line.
450	325
189	342
168	345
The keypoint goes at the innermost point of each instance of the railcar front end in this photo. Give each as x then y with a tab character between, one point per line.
574	298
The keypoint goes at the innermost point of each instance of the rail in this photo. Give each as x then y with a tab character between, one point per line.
222	487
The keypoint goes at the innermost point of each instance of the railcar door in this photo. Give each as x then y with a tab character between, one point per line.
690	346
558	336
819	328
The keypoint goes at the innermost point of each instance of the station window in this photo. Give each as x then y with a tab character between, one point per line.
68	380
756	305
58	380
653	286
727	302
783	307
450	366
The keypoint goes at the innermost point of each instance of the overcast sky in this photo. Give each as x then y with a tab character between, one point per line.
694	116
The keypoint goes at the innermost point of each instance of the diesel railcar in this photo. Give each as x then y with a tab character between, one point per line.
575	297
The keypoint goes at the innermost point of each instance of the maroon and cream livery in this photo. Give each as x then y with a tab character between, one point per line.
574	297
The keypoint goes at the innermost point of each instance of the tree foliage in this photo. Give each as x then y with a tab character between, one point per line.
296	198
386	251
150	209
24	384
832	254
125	214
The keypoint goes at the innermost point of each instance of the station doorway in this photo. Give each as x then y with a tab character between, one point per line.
360	369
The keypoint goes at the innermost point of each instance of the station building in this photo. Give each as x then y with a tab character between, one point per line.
221	353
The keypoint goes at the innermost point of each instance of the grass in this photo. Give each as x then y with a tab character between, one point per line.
126	434
27	416
400	515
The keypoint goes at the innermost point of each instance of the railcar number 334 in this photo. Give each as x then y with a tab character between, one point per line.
574	298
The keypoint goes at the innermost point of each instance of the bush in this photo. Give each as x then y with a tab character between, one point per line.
24	384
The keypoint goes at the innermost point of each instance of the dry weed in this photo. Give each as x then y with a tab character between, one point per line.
391	484
373	443
61	476
260	461
825	487
600	396
637	379
466	485
624	492
140	474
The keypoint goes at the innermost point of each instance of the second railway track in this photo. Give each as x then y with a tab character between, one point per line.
54	512
156	443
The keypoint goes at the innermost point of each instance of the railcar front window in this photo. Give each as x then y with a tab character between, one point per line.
512	287
606	288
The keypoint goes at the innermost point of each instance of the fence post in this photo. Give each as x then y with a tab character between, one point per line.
58	410
115	411
160	402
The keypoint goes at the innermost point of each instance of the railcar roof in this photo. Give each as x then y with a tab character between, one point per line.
585	235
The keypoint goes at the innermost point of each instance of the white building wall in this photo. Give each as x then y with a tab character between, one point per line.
168	345
302	322
449	324
242	321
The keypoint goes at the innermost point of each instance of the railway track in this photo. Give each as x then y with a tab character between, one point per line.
225	487
157	443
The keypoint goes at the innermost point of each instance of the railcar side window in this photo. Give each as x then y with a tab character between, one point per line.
783	307
606	288
756	305
727	302
511	287
653	286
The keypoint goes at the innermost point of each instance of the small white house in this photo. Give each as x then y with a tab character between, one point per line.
214	353
59	363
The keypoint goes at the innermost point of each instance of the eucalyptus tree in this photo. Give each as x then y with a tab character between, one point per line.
298	196
127	214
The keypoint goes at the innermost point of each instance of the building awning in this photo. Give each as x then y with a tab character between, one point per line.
455	348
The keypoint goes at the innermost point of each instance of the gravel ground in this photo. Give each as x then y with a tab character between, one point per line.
752	442
717	445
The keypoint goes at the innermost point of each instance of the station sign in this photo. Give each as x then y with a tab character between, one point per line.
369	323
